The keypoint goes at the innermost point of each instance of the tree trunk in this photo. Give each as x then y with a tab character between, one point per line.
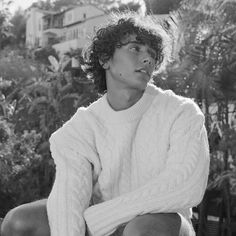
226	152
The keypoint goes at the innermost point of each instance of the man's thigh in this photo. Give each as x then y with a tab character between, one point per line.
165	224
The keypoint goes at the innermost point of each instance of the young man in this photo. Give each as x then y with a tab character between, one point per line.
132	163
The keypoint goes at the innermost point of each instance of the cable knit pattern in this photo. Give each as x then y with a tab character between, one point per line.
72	188
150	158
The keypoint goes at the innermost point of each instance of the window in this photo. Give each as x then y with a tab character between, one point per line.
80	33
76	33
84	32
60	23
70	35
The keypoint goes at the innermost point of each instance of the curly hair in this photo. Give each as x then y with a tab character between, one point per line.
109	37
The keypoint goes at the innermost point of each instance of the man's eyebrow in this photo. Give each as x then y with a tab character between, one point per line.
134	41
138	42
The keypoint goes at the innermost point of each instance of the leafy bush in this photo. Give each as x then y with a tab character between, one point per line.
41	54
204	70
20	167
33	107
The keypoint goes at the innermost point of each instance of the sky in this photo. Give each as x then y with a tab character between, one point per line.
26	3
20	3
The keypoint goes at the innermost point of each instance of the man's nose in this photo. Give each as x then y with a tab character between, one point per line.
147	60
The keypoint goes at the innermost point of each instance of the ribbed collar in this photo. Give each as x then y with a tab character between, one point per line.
108	114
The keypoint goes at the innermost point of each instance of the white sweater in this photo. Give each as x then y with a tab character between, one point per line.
152	157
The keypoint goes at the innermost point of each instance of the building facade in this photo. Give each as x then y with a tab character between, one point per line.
34	27
64	30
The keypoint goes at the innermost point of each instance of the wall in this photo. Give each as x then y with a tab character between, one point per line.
79	35
34	28
81	13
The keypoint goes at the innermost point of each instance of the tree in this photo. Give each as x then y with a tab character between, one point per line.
106	5
41	54
18	30
138	6
43	5
162	6
5	25
205	71
209	38
206	67
58	4
35	103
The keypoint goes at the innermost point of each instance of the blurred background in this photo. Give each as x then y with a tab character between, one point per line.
42	85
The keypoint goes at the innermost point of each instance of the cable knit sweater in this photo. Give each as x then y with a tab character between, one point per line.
152	157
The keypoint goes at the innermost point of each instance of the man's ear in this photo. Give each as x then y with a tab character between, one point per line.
105	65
104	61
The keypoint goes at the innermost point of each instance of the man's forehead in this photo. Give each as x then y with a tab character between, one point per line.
130	38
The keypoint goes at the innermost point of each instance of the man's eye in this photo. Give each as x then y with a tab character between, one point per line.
135	48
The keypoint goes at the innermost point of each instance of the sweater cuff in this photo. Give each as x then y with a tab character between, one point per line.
103	219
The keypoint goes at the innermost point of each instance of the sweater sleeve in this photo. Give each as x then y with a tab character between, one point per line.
180	185
71	192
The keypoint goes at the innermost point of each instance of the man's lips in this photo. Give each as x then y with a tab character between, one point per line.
143	70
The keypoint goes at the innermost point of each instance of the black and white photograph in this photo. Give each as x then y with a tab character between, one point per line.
117	117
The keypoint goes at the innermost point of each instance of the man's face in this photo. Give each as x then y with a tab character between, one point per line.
131	65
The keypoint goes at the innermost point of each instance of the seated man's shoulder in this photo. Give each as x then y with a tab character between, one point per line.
178	103
86	112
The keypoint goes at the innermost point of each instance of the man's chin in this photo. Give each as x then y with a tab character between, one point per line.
141	86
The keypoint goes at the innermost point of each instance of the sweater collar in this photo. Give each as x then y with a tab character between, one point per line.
134	112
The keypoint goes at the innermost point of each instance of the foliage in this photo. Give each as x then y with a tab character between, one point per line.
162	6
17	65
211	48
137	6
205	71
21	172
44	5
209	39
207	56
106	5
5	25
59	4
34	106
48	101
41	54
18	29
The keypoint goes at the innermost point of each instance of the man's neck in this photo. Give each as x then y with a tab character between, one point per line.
123	99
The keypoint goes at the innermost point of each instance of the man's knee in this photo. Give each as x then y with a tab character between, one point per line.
148	232
153	225
15	223
28	219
